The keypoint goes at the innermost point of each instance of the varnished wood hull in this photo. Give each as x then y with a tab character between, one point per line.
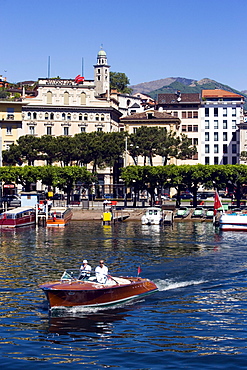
92	294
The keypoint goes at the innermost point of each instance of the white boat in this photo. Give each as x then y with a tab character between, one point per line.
153	216
17	217
233	221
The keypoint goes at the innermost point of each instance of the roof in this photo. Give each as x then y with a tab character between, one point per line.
219	93
178	98
145	116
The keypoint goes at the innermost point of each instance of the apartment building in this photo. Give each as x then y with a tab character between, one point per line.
221	117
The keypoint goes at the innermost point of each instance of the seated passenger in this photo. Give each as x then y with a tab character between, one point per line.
101	273
85	270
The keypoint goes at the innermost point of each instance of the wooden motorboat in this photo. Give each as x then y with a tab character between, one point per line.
69	292
17	217
59	217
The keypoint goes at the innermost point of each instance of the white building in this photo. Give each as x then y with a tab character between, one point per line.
221	115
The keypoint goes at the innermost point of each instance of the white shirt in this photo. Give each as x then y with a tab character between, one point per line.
101	274
85	270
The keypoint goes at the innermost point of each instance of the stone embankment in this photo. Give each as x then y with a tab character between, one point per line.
80	214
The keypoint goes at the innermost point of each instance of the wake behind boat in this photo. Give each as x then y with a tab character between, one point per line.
70	292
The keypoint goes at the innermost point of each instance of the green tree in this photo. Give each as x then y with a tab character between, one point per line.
120	82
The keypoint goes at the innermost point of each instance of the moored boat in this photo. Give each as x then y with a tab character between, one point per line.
17	217
153	216
234	221
69	292
182	212
199	212
59	217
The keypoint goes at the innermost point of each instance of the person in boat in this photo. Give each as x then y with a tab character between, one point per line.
101	272
85	270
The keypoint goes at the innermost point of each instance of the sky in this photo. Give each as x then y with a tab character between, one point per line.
147	40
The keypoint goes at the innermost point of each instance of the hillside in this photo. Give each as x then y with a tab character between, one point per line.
172	84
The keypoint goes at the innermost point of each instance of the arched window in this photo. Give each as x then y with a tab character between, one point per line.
68	116
46	115
63	116
34	115
52	116
85	117
66	98
49	97
102	117
29	116
97	117
80	117
83	98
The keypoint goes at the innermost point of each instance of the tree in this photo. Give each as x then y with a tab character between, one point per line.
120	82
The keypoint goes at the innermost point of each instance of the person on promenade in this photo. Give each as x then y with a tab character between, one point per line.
85	270
101	272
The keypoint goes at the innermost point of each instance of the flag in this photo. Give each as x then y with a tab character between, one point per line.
79	79
139	270
217	203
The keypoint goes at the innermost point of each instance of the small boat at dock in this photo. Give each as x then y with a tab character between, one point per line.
153	216
199	212
18	217
71	292
182	212
59	217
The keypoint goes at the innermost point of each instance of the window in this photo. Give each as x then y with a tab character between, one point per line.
102	117
98	70
206	136
49	97
85	117
234	160
234	112
207	148
216	160
69	116
225	160
195	141
66	131
183	128
216	136
224	136
29	116
66	98
206	112
80	117
234	136
234	148
225	148
206	160
216	148
189	114
206	124
48	130
52	116
189	128
46	115
99	129
216	124
195	114
98	78
234	124
83	98
83	129
63	116
224	112
225	124
31	130
175	114
34	115
183	114
195	128
134	130
215	112
9	131
97	117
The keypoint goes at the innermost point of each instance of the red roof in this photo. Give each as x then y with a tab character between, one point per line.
219	93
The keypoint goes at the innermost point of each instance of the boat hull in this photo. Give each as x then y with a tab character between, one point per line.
92	294
59	217
233	222
18	217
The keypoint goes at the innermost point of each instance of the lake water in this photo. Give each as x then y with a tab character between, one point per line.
197	319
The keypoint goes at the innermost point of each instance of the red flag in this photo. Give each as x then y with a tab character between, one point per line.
139	270
79	79
217	203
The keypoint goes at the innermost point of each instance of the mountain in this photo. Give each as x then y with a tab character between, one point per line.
185	85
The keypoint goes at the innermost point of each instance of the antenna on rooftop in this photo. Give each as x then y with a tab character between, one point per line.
49	66
82	67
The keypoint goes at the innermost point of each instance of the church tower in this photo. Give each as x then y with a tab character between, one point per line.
102	74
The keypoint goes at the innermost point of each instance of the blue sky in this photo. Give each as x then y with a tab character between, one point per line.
148	40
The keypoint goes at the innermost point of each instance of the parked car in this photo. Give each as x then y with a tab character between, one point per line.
11	200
